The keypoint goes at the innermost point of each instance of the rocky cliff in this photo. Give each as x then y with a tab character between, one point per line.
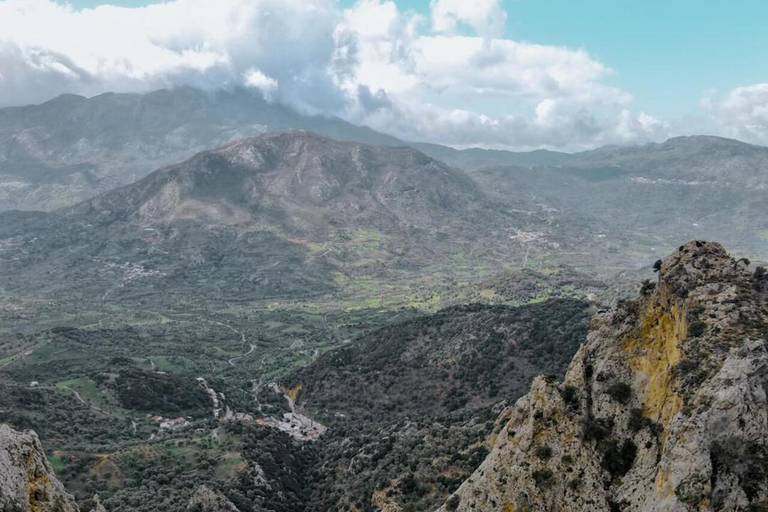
206	499
662	409
27	482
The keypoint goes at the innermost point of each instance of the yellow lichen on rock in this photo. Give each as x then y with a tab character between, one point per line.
653	358
663	485
293	393
37	483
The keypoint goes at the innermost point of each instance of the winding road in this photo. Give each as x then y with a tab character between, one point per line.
242	336
253	347
82	401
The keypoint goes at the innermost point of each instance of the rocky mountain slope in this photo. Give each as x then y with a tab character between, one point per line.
27	482
208	500
277	215
663	409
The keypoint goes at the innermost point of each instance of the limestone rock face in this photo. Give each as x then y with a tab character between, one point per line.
206	499
27	482
663	409
97	506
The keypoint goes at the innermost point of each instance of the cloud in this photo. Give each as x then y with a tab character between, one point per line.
486	17
742	113
257	79
180	42
540	95
450	76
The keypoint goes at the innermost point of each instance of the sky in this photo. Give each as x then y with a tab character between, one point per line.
516	74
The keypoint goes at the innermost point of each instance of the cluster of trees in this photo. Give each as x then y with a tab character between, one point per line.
159	393
464	356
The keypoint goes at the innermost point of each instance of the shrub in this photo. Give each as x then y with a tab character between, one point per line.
544	452
618	460
647	287
452	503
620	391
543	477
570	396
696	329
593	429
637	421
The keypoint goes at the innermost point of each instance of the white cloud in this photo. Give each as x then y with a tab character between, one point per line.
191	42
425	85
448	77
486	17
257	79
742	113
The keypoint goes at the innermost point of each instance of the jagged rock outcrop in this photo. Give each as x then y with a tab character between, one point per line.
97	506
663	409
206	499
27	482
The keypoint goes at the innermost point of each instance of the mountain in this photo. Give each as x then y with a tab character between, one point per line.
651	196
477	158
714	160
72	148
662	409
27	482
279	215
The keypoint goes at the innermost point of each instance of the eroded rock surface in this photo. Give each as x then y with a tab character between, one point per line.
662	410
27	482
206	499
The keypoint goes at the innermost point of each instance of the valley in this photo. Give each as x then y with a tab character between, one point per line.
266	319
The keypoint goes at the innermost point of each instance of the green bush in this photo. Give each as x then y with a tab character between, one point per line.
544	452
696	329
618	460
593	429
543	478
620	391
570	396
647	287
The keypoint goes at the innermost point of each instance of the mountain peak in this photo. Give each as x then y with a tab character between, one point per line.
694	264
302	171
662	409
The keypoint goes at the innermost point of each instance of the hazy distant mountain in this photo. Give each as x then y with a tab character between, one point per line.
476	158
656	194
282	214
72	148
705	159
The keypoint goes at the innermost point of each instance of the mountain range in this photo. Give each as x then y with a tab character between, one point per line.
656	194
279	215
633	203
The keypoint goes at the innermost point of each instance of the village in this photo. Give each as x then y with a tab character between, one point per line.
293	423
